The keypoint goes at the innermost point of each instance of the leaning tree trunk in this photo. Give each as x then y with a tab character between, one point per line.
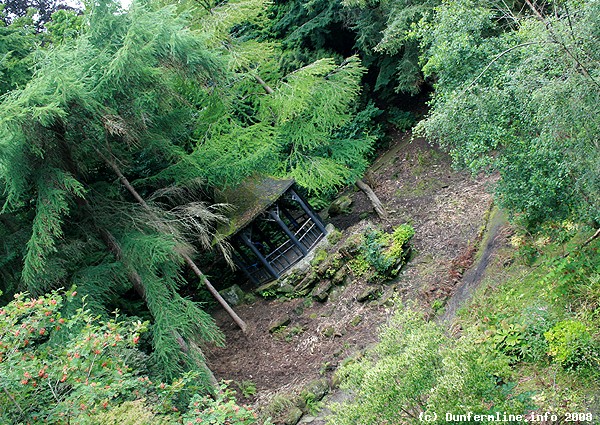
186	257
377	205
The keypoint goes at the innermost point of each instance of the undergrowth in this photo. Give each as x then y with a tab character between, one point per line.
529	342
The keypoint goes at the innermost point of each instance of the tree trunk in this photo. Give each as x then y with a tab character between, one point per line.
264	85
377	205
186	257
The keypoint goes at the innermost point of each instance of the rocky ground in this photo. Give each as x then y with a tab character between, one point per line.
448	210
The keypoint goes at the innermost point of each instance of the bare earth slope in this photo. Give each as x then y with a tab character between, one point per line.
448	210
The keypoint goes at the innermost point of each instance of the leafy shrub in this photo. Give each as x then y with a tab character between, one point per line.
248	388
219	410
359	266
56	365
571	345
417	368
507	338
385	252
577	277
536	322
520	337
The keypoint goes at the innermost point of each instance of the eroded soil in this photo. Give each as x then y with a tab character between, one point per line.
448	210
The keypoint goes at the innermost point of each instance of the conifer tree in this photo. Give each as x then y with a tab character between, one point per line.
303	125
118	88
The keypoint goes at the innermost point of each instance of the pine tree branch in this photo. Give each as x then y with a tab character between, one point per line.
139	288
264	85
203	279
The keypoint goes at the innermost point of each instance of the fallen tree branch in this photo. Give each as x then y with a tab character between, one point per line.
373	198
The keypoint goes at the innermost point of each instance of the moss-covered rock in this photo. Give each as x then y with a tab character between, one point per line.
341	277
306	284
330	266
292	416
279	323
233	295
371	292
340	206
319	256
315	390
328	332
334	237
356	321
321	291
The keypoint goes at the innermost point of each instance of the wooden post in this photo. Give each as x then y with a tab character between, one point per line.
258	254
308	210
288	232
240	265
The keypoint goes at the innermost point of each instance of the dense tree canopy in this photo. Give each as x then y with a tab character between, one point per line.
141	102
40	10
523	101
111	94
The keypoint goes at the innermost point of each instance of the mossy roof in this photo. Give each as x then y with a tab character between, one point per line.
248	200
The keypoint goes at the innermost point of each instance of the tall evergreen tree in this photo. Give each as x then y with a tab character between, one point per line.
117	89
303	124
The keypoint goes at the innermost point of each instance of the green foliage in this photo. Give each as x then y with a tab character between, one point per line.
248	388
65	25
321	144
430	373
17	43
520	336
359	266
219	410
61	364
387	34
120	91
55	367
576	278
541	319
571	345
522	102
308	126
400	119
334	237
40	10
385	252
319	257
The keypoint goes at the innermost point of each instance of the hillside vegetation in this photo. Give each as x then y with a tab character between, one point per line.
120	127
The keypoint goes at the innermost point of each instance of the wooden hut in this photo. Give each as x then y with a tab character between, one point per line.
271	227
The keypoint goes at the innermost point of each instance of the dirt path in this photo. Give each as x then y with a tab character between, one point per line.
472	278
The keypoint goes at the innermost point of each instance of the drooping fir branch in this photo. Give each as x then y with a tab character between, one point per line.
371	195
188	260
188	347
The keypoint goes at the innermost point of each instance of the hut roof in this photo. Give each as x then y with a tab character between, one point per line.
248	200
